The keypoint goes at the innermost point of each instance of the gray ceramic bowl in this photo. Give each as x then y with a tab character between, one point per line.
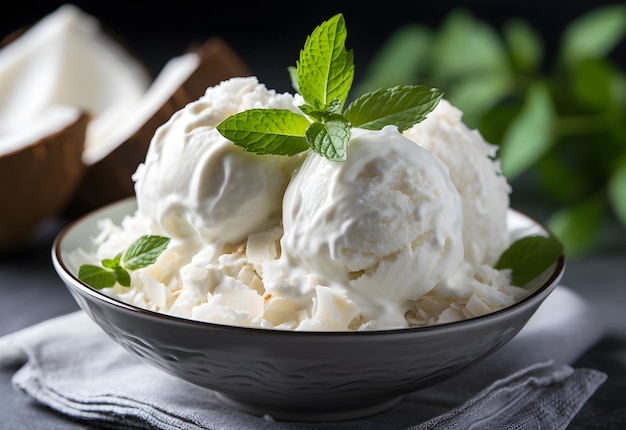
299	376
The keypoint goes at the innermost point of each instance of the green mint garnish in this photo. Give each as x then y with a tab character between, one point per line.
267	131
144	251
141	253
330	140
323	76
529	257
325	69
402	106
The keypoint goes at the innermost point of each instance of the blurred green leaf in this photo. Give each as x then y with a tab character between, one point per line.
595	34
616	117
529	257
530	135
478	94
617	191
525	45
592	83
96	277
578	226
563	126
495	122
562	181
402	106
402	59
466	46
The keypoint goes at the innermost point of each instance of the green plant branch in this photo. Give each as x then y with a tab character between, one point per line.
577	125
559	116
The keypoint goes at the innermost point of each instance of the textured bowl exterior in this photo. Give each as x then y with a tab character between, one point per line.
305	376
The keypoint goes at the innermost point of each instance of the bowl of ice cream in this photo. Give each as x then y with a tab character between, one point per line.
298	375
300	287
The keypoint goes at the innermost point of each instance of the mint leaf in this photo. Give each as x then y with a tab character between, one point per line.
330	139
325	68
267	131
333	106
323	76
403	106
144	251
293	77
321	113
313	112
111	263
141	253
529	257
96	277
122	276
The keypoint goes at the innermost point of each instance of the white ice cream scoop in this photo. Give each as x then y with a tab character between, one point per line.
476	174
387	222
196	183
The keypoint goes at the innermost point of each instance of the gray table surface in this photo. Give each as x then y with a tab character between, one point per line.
31	292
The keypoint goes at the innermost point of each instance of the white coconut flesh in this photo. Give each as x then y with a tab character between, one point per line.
100	143
65	66
50	120
67	59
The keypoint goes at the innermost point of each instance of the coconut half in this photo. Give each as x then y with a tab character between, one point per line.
66	63
111	160
61	80
67	59
40	169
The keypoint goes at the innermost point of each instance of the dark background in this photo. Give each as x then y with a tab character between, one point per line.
269	35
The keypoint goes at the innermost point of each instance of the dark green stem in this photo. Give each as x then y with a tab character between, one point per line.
579	125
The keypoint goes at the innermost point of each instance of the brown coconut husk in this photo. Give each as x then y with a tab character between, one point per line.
38	180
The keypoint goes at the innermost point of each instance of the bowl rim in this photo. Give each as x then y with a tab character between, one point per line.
69	278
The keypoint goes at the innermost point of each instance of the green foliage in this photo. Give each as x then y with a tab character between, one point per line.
529	257
325	69
323	76
559	120
141	253
403	106
267	131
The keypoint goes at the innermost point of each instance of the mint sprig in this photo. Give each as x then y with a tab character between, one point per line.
529	257
403	106
323	75
267	131
325	69
141	253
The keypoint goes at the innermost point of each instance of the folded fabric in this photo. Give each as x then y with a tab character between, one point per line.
71	366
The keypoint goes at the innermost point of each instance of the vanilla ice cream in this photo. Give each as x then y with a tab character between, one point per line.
476	174
380	229
398	235
195	183
387	222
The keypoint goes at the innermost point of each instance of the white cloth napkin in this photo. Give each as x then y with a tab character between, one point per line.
71	366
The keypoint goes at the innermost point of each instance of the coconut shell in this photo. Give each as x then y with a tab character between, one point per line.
37	182
12	36
109	179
